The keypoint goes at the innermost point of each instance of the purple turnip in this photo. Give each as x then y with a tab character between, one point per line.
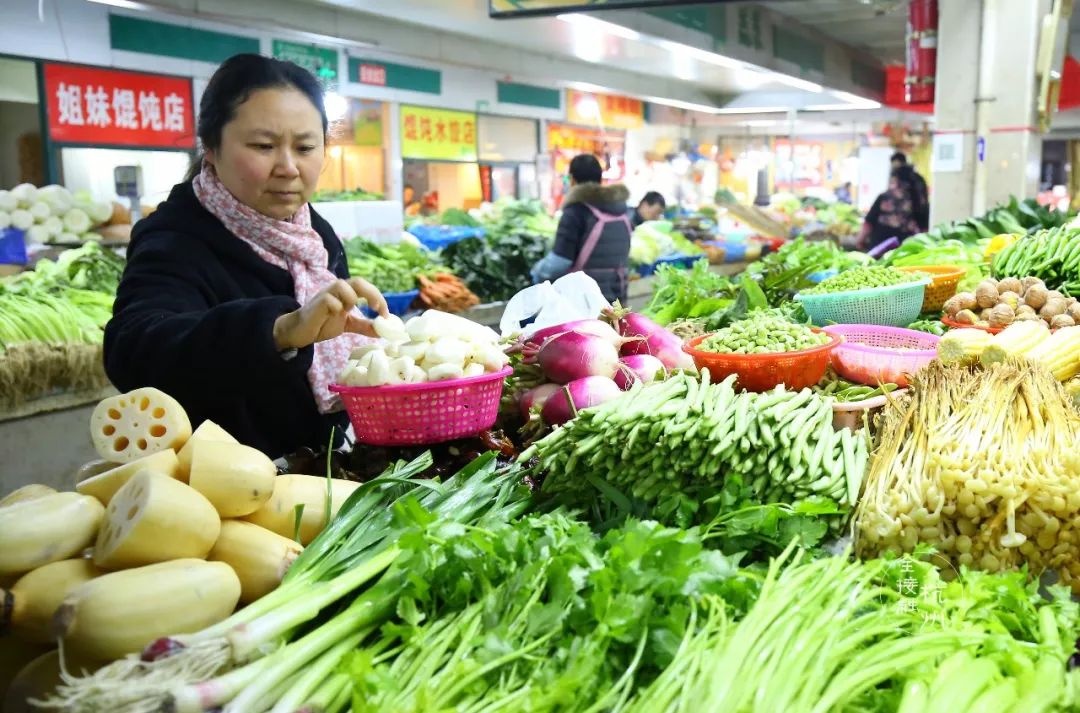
586	392
638	367
656	341
536	398
570	356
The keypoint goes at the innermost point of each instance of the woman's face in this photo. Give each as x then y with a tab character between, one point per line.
272	152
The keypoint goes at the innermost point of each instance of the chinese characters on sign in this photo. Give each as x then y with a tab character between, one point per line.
607	110
114	107
438	134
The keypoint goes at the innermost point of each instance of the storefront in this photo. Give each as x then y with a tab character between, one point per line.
356	154
508	150
596	124
441	170
98	119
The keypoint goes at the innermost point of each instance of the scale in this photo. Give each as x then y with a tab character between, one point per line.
129	184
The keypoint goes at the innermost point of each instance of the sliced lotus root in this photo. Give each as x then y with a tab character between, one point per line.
139	423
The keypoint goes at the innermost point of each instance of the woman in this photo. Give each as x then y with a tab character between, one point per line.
895	213
594	231
236	299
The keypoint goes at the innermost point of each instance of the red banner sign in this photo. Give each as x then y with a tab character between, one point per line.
90	105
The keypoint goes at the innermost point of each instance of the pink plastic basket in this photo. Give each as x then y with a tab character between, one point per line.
871	354
423	414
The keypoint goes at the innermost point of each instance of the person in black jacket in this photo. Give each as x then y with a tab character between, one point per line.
236	299
594	232
651	207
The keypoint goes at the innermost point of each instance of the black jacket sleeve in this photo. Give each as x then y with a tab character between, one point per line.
167	333
570	234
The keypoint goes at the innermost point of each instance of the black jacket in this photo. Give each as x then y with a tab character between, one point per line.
194	317
612	250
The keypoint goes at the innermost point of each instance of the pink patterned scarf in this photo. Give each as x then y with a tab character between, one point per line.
292	245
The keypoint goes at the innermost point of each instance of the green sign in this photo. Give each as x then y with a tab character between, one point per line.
378	73
320	61
711	19
134	34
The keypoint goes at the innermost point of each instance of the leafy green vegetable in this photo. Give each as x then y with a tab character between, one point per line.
680	294
496	267
391	268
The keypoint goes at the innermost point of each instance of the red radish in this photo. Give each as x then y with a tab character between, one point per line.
594	327
586	392
536	398
572	355
638	367
653	339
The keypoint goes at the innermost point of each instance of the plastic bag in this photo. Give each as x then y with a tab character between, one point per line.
571	297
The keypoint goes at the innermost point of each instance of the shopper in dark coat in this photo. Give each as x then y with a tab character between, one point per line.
601	251
202	312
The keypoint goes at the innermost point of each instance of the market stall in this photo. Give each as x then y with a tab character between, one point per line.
607	509
439	148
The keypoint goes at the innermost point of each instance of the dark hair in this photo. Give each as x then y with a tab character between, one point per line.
654	198
234	81
899	156
585	168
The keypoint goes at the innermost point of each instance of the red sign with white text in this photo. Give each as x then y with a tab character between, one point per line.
373	74
90	105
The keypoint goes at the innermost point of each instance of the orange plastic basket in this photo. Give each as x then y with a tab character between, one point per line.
943	282
761	372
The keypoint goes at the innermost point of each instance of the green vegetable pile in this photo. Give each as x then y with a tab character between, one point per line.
676	444
845	391
69	300
456	216
496	266
391	268
682	294
925	250
930	326
358	195
763	333
1051	255
864	278
657	239
783	273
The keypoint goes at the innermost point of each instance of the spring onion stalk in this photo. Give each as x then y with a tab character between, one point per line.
353	552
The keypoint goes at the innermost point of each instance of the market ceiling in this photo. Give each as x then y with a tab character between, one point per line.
638	41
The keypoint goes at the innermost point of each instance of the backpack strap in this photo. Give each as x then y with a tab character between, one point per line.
602	219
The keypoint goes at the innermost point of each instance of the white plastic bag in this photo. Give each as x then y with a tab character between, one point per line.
571	297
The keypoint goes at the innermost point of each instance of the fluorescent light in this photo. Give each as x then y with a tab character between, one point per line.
125	4
796	82
753	110
700	54
856	100
680	104
604	26
842	107
587	87
336	106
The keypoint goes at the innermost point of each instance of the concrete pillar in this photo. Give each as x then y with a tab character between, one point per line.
986	140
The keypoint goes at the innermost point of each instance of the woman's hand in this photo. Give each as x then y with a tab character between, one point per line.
329	314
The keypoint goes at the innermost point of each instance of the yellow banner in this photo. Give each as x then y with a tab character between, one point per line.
610	111
438	134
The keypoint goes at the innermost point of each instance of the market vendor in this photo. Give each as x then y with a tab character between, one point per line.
594	231
236	299
651	207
